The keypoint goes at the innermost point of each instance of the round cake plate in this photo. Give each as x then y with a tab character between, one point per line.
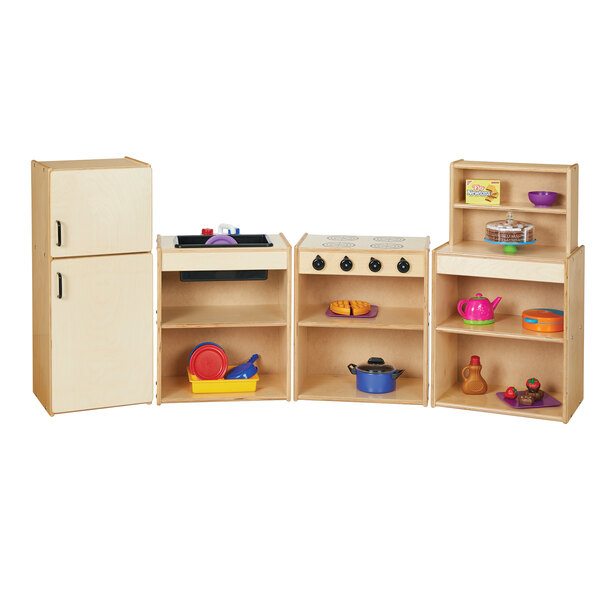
509	247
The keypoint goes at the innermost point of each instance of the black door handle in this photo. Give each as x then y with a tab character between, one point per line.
59	295
58	233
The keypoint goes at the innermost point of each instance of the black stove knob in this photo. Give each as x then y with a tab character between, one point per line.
403	265
375	265
318	263
345	264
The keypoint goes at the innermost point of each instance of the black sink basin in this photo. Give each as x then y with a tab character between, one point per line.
243	241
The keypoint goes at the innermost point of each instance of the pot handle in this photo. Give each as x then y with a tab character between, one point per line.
352	368
397	373
461	312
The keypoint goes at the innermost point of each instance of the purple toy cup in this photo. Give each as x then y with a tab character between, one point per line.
543	198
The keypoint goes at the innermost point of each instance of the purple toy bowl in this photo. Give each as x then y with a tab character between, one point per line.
543	198
220	239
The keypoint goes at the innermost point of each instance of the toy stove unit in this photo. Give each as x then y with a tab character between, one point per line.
363	255
389	273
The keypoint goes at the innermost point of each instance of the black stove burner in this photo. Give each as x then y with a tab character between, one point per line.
243	241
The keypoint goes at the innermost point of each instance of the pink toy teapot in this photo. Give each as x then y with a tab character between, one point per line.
478	310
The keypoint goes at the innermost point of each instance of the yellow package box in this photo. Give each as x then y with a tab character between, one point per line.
482	192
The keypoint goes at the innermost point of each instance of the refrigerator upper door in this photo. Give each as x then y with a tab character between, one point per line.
102	326
100	211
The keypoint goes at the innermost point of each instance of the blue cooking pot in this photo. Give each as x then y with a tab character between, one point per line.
375	377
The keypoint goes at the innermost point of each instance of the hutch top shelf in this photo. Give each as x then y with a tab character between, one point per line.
555	226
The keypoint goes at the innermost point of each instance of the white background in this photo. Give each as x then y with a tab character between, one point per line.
328	117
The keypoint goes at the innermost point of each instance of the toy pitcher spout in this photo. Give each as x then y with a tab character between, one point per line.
496	302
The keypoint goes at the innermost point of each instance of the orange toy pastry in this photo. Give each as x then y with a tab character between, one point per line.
350	307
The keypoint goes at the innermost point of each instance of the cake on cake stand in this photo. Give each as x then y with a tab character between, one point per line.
509	233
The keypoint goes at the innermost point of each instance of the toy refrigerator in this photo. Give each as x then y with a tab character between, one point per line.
92	283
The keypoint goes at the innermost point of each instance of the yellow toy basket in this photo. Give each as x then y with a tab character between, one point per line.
222	386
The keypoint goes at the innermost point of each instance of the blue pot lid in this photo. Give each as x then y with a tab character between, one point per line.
376	365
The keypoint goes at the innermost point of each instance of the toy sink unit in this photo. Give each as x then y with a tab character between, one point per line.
223	241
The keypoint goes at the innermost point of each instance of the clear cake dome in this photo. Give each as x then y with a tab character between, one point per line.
509	230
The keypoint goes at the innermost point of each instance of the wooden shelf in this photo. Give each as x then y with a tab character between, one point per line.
343	388
516	167
270	387
455	398
506	326
482	249
550	210
260	315
387	318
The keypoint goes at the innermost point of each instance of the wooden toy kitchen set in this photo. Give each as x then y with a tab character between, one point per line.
507	291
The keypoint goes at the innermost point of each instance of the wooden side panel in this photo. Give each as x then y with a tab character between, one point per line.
299	342
574	328
456	216
444	347
573	207
287	294
159	302
101	211
426	329
40	207
102	327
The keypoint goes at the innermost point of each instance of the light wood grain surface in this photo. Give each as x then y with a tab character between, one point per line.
489	402
574	332
102	332
342	388
40	238
501	268
97	163
555	226
101	211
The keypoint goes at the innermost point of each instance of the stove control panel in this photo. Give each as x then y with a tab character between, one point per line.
331	262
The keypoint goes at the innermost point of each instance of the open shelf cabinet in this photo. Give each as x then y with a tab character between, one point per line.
547	274
325	345
555	226
244	317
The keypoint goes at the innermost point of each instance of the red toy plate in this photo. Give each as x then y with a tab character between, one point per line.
208	361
